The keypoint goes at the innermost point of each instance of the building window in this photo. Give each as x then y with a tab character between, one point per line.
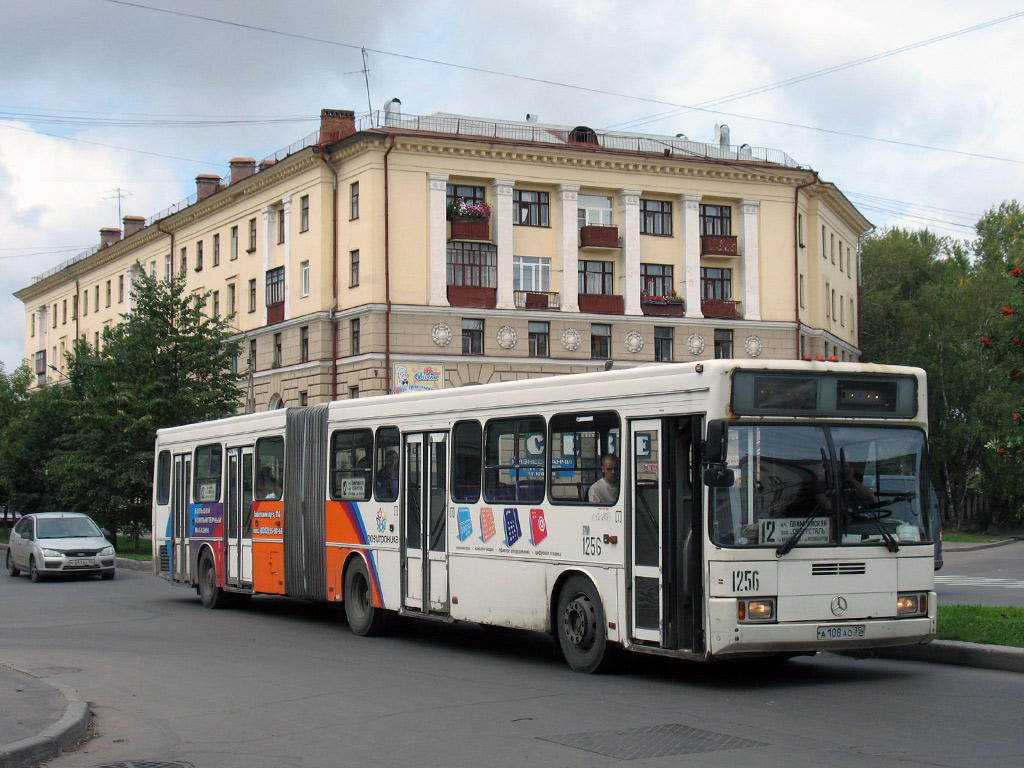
472	336
252	236
529	209
216	304
304	213
842	312
252	352
74	312
723	344
595	277
216	250
353	200
167	269
354	334
304	277
64	312
715	283
231	299
833	302
353	393
85	304
234	243
663	344
277	350
304	344
600	341
531	273
120	289
303	398
464	192
715	220
183	266
199	256
275	286
152	269
252	295
832	246
593	211
540	335
802	303
353	268
800	230
656	280
97	304
472	263
655	217
280	226
828	311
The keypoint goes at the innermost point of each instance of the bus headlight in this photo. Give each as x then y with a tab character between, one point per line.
912	604
755	610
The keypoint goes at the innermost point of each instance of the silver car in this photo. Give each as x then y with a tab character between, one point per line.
59	544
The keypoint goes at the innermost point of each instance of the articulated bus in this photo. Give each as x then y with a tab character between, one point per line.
704	510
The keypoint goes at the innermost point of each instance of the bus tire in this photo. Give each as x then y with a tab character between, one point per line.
581	627
213	597
364	619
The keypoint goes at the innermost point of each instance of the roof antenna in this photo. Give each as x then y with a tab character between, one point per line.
366	77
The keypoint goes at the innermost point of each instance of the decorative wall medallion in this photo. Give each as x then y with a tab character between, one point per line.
695	343
571	339
753	346
442	334
507	337
634	341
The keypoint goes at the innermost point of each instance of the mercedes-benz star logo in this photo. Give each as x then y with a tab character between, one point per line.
838	606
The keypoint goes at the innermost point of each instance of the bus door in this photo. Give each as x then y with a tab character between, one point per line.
424	539
666	606
238	530
179	516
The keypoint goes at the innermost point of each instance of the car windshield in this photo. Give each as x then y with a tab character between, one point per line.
66	528
817	486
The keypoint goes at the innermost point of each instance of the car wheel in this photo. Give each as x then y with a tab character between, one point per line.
581	628
212	596
107	575
12	569
33	571
363	618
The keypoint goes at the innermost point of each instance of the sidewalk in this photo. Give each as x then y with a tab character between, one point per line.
39	717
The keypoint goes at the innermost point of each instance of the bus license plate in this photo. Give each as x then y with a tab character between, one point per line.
82	563
841	632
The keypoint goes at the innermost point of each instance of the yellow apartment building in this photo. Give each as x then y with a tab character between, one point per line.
392	252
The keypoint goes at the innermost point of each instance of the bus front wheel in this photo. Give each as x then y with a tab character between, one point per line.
364	619
581	627
212	596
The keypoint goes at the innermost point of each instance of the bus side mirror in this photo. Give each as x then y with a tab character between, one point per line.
714	444
719	477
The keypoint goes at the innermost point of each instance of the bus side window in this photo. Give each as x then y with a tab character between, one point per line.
467	437
207	474
579	441
269	468
388	467
351	464
163	477
514	460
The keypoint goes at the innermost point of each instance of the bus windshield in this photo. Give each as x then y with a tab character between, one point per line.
821	486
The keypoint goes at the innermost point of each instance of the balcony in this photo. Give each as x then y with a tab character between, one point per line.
472	296
471	229
275	313
593	236
601	303
663	307
719	245
721	309
536	300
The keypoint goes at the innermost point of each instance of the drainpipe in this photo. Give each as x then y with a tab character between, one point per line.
796	256
387	273
334	274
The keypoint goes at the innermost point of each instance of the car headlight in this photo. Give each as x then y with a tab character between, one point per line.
106	552
52	553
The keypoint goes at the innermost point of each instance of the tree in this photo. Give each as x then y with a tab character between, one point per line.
13	390
166	363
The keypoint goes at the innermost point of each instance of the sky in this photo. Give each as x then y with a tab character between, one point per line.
111	108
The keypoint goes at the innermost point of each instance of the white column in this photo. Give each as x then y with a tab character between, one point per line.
569	247
437	276
501	231
747	241
287	203
629	221
689	257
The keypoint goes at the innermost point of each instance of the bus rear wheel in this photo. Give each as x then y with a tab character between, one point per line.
364	619
212	596
581	627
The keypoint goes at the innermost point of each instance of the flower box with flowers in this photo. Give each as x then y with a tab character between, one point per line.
670	304
470	221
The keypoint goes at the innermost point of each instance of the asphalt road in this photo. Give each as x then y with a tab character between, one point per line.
283	683
989	576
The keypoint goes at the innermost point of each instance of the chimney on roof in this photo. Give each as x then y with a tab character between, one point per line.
206	185
109	236
392	112
336	124
268	163
242	168
133	224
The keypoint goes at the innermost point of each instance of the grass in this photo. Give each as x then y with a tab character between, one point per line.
126	548
982	624
972	538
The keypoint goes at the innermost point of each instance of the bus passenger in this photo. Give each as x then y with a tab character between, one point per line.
606	489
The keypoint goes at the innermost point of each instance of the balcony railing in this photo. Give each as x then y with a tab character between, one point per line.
592	236
275	313
471	229
721	309
536	300
601	303
472	296
663	308
719	245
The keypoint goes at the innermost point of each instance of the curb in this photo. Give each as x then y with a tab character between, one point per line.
50	741
956	547
954	652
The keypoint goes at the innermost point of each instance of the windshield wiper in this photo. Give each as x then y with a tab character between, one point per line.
875	515
787	547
